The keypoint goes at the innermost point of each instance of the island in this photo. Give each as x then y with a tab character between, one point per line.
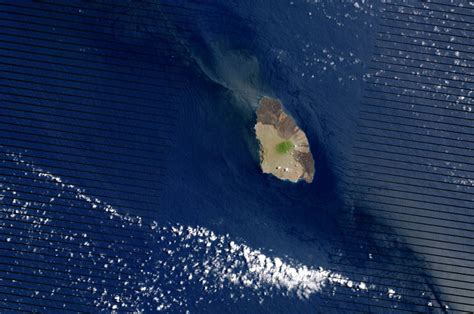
284	147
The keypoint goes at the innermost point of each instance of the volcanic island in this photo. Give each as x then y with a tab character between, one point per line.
284	147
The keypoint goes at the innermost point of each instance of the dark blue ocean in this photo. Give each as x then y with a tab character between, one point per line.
140	153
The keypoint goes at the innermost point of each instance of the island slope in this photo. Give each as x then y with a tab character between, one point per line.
284	147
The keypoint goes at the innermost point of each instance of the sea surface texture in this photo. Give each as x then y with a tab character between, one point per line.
129	167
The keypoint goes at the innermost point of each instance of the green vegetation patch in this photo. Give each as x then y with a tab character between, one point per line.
284	147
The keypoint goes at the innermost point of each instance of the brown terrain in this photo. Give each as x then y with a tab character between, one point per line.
274	127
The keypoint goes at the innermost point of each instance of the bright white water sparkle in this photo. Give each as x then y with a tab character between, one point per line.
181	259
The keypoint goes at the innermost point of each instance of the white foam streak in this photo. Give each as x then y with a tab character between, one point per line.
198	256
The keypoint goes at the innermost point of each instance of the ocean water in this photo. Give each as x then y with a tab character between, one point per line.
316	67
218	235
